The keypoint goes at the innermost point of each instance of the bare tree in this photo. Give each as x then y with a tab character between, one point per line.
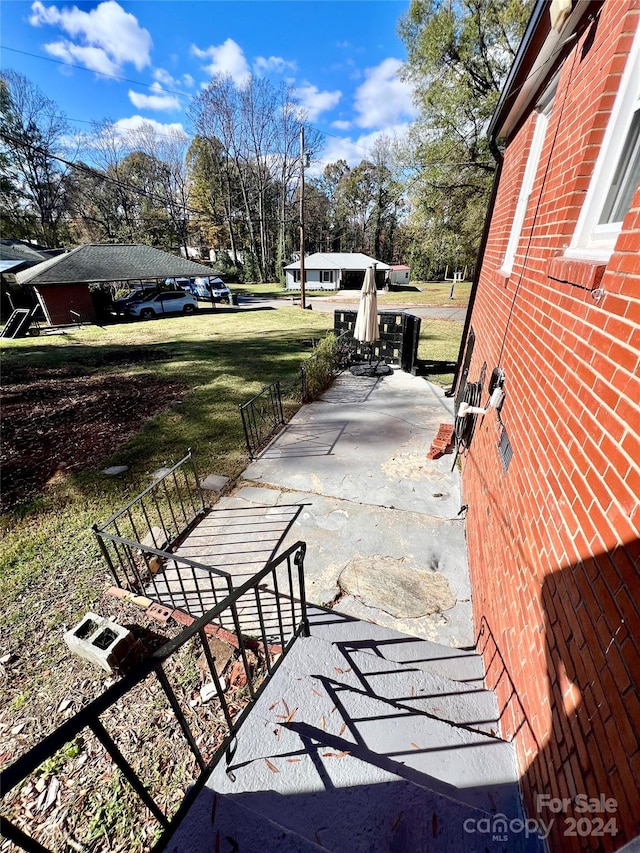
33	134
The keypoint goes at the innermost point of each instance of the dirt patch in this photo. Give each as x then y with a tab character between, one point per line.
59	420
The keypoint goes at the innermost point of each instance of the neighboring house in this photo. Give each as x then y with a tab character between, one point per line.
15	256
552	477
399	274
66	286
335	271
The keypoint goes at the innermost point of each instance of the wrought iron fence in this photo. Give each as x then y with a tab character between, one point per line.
138	543
275	597
262	416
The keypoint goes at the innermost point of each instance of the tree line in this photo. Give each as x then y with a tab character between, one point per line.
234	185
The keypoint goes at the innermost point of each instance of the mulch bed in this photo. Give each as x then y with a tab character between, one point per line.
66	419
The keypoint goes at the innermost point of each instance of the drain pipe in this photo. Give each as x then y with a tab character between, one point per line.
497	154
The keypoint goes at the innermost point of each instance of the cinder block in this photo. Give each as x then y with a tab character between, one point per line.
100	641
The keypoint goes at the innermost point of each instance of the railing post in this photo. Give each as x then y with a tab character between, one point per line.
195	474
106	555
299	561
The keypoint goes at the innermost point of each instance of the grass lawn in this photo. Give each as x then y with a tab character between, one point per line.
426	293
440	341
51	572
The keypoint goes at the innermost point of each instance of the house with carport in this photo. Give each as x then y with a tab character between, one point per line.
73	286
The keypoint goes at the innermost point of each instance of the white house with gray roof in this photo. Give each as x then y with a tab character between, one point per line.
335	271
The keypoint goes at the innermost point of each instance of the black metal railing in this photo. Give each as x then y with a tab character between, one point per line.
137	542
275	598
262	417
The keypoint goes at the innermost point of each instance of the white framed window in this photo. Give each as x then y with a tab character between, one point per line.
327	275
616	173
542	120
296	275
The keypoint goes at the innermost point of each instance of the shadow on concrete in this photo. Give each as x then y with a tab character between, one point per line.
305	440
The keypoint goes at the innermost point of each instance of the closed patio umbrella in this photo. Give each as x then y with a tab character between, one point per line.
366	329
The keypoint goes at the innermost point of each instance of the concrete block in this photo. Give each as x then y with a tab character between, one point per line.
100	641
114	470
214	483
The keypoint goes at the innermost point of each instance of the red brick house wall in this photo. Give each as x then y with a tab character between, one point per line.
554	542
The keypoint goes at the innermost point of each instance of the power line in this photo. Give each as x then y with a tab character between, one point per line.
93	71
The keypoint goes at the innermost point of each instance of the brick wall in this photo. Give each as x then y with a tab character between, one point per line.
554	543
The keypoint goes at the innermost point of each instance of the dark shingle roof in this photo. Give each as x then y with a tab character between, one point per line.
105	262
18	250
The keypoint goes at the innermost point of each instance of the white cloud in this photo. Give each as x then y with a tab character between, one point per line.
165	79
341	125
126	125
383	98
355	150
106	37
94	58
275	64
315	102
226	58
159	100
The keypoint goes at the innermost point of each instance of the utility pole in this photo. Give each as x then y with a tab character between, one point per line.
302	271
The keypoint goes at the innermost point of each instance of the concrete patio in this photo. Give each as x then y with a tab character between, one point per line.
350	477
376	732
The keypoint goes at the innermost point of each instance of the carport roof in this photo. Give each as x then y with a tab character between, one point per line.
103	262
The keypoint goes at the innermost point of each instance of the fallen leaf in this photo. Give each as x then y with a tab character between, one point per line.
286	707
337	669
323	723
52	793
271	766
396	821
333	709
293	760
316	692
291	716
271	707
342	728
413	691
63	705
414	745
335	754
17	729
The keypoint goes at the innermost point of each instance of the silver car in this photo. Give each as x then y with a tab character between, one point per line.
165	302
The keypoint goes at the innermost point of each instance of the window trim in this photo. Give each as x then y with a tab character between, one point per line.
591	240
543	109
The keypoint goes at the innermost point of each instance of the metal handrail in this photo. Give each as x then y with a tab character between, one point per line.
139	539
88	717
260	427
171	471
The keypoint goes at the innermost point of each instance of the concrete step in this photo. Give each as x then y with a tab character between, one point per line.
346	803
406	685
354	634
413	687
338	752
220	824
331	700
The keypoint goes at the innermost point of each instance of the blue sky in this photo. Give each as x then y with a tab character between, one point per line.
340	56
